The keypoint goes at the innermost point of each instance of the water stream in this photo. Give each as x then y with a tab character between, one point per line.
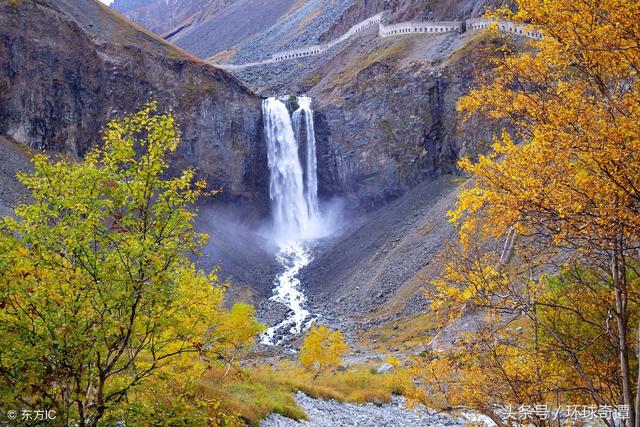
293	189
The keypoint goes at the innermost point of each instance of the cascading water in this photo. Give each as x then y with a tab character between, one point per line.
286	187
294	200
303	116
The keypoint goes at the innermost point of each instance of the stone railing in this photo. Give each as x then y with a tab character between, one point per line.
317	49
430	27
504	26
419	27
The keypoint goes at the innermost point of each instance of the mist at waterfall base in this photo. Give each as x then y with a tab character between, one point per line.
298	219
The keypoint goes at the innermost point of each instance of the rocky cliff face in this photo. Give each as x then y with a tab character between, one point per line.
386	108
388	120
68	66
386	116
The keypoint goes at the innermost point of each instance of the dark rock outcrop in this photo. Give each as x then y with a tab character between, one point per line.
383	140
387	119
68	66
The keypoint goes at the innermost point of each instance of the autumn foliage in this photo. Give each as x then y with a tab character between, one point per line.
549	231
322	350
103	311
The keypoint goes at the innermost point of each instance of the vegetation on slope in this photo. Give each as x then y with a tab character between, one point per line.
100	302
254	393
105	317
562	297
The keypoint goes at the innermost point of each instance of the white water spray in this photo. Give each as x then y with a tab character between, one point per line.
294	202
303	116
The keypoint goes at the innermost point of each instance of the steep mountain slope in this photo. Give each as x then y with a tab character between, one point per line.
386	116
389	135
162	16
386	108
387	112
236	24
377	267
14	158
409	10
239	29
208	27
60	83
248	30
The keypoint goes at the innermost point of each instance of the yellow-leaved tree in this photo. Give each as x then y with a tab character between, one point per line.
562	189
235	332
100	301
322	350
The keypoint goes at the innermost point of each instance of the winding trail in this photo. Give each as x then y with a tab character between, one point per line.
399	29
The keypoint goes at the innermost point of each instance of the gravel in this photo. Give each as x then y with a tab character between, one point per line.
376	254
330	413
294	31
14	158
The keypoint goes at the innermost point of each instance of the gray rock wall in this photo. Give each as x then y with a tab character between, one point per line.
68	67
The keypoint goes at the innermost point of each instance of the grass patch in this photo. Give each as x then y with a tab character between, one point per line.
408	333
202	88
249	396
458	180
261	390
389	51
386	127
311	80
480	44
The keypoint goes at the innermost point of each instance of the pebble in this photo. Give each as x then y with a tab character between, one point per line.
385	367
329	413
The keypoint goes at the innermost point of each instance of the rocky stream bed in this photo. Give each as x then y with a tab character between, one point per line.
330	413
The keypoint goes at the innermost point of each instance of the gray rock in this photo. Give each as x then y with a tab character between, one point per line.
329	413
385	367
58	90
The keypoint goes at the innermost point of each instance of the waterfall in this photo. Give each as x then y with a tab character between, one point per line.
303	117
293	189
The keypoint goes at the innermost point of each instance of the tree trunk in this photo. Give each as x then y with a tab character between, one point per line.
620	292
638	380
81	420
229	366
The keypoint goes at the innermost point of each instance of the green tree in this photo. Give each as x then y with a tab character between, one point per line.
322	350
97	289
